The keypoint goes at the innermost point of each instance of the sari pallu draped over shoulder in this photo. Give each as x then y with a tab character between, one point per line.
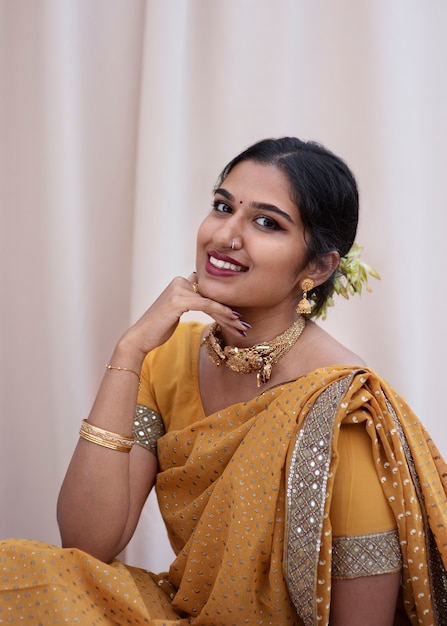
246	493
413	476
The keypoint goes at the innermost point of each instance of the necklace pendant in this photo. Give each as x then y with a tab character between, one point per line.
264	373
267	370
259	358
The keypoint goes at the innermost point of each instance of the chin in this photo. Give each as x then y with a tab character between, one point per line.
218	293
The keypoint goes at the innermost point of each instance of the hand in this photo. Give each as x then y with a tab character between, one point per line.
161	319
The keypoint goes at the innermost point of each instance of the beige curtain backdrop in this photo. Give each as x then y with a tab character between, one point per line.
115	119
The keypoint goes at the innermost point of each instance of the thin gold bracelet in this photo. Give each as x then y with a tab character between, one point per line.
105	438
123	369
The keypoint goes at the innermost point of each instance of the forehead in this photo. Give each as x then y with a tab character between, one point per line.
250	181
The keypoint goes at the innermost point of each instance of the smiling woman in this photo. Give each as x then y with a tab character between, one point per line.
253	210
296	486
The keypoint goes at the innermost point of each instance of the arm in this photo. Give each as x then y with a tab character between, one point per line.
104	490
369	600
359	507
104	528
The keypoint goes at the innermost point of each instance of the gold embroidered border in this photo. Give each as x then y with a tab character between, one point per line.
366	555
306	495
438	573
148	427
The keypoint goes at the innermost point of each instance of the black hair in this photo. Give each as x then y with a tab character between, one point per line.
324	190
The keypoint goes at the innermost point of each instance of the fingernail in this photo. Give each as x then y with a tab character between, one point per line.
246	324
242	332
236	314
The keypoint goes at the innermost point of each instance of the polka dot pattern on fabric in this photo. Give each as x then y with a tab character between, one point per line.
42	585
225	493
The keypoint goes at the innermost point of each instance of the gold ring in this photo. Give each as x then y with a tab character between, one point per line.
195	287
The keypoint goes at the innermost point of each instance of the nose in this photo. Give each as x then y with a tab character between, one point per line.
228	236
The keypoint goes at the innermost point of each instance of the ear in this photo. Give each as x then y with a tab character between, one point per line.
323	267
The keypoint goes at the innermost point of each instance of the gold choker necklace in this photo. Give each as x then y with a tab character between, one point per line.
259	358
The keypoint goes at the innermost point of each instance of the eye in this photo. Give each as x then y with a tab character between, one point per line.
268	223
221	207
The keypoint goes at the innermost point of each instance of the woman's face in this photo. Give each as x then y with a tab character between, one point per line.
253	209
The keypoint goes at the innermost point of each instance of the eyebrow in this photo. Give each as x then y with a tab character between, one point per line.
264	206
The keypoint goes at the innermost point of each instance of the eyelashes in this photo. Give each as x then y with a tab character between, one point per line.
221	207
264	221
269	224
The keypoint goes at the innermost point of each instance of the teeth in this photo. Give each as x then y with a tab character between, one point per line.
224	265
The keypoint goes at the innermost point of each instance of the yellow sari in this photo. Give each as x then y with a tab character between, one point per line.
249	498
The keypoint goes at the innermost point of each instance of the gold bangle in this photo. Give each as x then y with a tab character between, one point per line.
124	369
105	438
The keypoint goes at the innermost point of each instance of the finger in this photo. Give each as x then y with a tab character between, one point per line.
192	278
221	313
225	317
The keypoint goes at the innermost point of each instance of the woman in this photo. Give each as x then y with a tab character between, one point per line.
296	486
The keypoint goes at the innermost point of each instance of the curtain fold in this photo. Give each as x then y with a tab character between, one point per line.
70	81
115	120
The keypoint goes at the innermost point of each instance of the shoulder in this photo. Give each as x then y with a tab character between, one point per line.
183	341
169	372
186	336
321	349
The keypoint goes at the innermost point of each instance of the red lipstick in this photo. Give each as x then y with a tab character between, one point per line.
215	270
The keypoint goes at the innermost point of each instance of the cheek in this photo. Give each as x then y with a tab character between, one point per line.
202	242
289	267
203	232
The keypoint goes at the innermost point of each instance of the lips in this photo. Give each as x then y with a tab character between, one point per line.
222	264
225	265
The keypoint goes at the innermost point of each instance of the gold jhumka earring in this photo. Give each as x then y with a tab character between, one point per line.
304	307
